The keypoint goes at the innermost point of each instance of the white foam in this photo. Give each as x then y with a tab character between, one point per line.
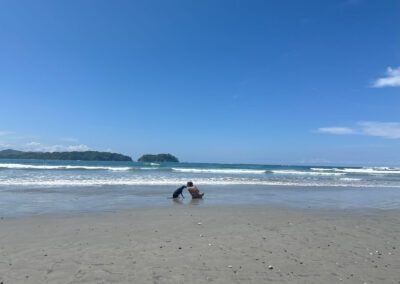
322	169
386	168
162	181
294	172
350	179
218	171
373	170
365	170
60	167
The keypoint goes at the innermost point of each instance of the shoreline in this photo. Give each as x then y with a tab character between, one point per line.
192	244
177	206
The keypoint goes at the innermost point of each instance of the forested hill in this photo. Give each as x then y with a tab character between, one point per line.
158	158
75	155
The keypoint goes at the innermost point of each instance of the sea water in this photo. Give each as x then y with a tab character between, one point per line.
36	186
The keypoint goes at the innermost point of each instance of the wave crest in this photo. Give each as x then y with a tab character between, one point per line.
294	172
218	171
177	181
372	170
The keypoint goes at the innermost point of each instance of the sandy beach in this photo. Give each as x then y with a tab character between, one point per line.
189	244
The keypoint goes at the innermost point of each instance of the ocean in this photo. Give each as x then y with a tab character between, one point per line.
39	187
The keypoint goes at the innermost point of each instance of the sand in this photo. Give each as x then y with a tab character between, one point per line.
203	245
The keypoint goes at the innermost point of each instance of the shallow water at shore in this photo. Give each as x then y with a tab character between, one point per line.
43	187
32	201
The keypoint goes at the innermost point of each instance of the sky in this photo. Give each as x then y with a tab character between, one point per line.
282	82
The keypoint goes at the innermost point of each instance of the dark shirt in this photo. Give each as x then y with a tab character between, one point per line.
178	192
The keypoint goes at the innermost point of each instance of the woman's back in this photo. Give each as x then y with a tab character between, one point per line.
194	192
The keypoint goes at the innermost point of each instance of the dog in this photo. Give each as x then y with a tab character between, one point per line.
178	191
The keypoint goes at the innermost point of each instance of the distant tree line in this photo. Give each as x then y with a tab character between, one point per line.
75	155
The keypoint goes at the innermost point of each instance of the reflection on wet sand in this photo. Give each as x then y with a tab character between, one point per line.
177	201
193	201
196	201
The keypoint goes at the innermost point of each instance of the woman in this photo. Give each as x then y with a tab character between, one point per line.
193	190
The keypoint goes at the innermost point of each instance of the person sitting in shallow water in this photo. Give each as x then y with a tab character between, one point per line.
194	191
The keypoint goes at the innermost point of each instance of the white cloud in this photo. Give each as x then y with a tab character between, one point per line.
80	147
36	146
336	130
8	140
389	130
392	79
4	145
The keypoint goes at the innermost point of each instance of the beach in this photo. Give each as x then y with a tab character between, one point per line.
197	244
114	222
275	123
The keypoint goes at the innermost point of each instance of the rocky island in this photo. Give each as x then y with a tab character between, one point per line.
159	158
74	155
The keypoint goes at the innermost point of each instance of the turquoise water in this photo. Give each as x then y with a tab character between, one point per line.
35	187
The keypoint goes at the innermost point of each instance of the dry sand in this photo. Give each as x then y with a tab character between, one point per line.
201	245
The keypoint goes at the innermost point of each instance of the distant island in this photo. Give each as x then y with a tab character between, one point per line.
159	158
75	155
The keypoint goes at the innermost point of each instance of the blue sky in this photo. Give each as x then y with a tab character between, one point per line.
288	82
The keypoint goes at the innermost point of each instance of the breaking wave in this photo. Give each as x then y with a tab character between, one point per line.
365	170
350	179
218	171
177	181
372	170
294	172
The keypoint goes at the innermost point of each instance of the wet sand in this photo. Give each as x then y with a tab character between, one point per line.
189	244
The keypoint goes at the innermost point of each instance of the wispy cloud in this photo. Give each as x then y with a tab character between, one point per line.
4	137
336	130
392	79
4	145
9	140
80	147
389	130
37	146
